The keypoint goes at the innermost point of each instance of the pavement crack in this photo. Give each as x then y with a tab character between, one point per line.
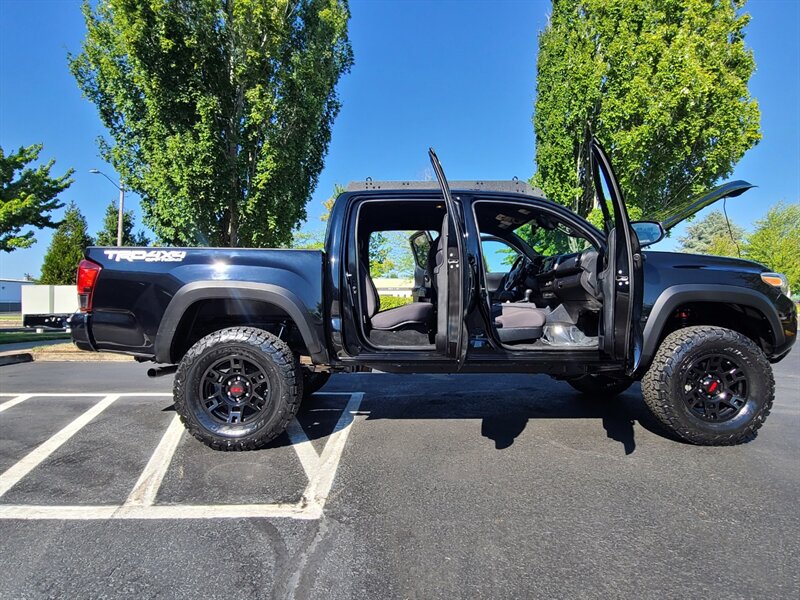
294	580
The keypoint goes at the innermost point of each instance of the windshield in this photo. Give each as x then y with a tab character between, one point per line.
548	242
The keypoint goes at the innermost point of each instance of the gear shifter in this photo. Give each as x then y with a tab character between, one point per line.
528	294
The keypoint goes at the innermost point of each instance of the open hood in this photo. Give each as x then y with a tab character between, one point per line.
726	190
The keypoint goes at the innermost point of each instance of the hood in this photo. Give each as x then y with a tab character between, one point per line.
682	260
692	206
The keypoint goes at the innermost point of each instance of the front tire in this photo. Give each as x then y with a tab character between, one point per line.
710	386
238	388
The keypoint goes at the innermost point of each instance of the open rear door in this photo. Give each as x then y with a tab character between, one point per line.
622	278
451	330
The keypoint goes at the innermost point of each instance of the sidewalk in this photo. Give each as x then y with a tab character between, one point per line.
5	348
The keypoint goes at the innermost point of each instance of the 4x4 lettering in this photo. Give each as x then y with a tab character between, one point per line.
146	255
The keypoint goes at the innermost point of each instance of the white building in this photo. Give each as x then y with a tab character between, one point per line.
11	294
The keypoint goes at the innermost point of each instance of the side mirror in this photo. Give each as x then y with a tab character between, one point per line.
420	246
648	232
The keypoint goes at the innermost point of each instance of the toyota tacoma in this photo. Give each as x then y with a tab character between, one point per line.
504	281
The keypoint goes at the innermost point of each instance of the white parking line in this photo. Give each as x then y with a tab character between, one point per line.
145	490
140	504
319	487
94	394
305	449
35	457
14	402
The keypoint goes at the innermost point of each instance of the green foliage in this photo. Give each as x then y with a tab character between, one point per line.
663	84
328	204
309	240
66	249
710	235
220	111
723	245
108	235
27	196
378	254
390	254
388	302
775	242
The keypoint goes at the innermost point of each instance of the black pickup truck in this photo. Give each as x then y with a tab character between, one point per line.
505	281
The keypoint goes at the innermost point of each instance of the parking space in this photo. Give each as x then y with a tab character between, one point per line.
126	455
388	486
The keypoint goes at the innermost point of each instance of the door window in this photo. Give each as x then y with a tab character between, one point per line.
498	256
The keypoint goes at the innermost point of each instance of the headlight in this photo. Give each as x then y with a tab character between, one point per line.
777	280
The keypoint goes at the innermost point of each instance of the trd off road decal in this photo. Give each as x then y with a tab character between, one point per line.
146	255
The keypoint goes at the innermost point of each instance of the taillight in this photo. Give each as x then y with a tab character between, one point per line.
87	277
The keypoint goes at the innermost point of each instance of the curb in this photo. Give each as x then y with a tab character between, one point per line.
15	358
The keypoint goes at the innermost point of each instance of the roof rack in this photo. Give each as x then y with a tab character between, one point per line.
514	186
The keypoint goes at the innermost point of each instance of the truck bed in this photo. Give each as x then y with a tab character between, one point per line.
137	286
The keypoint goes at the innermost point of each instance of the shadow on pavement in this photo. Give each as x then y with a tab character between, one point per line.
503	403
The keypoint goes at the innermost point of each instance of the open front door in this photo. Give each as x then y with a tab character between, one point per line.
451	331
622	278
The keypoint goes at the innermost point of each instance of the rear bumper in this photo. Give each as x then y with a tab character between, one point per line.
79	325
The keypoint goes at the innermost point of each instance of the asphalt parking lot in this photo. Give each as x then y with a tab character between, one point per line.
388	487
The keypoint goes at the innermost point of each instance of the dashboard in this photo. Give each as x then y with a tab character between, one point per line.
564	277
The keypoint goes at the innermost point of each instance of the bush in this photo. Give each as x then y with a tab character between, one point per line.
388	302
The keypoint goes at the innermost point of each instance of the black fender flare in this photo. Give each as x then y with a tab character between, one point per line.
674	296
193	292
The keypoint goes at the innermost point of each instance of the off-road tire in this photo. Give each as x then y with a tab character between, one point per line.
313	381
285	385
663	391
600	385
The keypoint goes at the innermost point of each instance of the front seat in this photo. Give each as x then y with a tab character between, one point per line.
416	313
519	322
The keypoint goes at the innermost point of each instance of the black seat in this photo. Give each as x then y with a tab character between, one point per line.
519	322
416	313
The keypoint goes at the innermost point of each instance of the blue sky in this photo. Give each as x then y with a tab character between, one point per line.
458	76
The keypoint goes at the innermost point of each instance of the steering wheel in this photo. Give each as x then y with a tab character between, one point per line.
514	277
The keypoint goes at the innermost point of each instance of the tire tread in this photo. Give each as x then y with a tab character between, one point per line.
277	351
657	381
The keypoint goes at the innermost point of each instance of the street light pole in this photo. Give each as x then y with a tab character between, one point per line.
121	212
121	188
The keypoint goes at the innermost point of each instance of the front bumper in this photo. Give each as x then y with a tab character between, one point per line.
787	315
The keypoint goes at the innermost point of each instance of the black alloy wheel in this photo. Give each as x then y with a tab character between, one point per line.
715	388
238	388
710	385
234	390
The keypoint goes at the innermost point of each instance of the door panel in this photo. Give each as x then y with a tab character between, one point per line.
493	281
452	337
622	278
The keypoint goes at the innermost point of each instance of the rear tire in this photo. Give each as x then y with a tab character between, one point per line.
597	384
238	388
710	386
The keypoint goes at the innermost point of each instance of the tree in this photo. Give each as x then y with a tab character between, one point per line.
27	196
220	111
710	235
328	204
723	245
108	235
66	249
775	242
309	240
662	84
